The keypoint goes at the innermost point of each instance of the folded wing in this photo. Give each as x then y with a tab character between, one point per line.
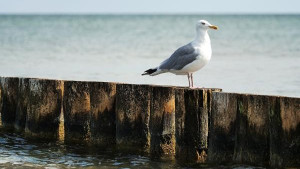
180	58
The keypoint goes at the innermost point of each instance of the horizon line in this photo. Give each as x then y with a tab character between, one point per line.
148	13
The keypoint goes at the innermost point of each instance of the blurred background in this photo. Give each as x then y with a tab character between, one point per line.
255	50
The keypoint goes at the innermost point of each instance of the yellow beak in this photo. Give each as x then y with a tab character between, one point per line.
213	27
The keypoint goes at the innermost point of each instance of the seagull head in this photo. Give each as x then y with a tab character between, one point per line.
205	25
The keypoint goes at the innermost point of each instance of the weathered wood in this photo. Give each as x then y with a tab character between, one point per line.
132	116
9	91
1	101
222	134
22	103
103	115
240	128
192	122
209	104
285	132
252	132
162	122
45	98
77	111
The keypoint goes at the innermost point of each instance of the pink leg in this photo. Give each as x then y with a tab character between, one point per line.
188	75
192	83
192	80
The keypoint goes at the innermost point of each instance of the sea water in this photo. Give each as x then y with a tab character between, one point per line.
251	54
17	151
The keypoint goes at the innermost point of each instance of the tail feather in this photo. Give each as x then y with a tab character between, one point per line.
149	71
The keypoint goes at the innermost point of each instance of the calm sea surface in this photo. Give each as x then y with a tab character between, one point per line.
18	152
251	54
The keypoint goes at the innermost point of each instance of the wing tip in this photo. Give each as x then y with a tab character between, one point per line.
149	71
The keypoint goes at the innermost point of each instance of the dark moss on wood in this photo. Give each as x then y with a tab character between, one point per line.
22	103
192	110
222	135
285	132
252	133
9	91
77	111
132	116
1	101
45	100
103	115
209	105
192	123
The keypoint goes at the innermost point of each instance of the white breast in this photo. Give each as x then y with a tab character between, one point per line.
204	50
202	47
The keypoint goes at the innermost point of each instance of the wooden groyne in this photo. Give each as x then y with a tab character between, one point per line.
191	125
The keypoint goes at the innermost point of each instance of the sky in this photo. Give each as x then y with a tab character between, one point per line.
148	6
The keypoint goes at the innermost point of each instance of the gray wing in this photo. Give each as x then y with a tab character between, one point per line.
180	58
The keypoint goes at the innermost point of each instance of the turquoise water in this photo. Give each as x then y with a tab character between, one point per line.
251	53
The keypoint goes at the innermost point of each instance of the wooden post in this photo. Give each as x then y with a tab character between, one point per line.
285	132
132	116
22	103
77	111
9	92
45	99
252	133
192	119
162	122
222	134
103	115
209	104
1	101
193	124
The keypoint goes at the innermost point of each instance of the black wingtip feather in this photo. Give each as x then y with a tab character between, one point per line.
149	71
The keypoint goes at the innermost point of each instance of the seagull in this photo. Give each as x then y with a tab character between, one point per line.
189	58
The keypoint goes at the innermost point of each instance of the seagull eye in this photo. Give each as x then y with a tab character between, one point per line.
203	23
